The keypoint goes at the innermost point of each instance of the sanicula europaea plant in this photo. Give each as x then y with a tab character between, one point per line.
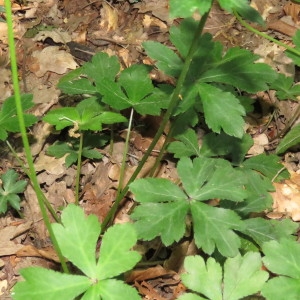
209	83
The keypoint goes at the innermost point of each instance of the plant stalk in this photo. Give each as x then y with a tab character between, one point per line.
32	173
264	35
78	172
173	104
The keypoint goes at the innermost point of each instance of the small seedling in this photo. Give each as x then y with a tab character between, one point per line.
10	189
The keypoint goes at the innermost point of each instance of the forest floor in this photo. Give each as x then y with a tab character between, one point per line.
56	36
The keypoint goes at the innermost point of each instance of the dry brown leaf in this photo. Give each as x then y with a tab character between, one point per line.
7	234
57	35
109	17
150	273
159	9
259	142
52	165
292	9
51	59
286	198
29	250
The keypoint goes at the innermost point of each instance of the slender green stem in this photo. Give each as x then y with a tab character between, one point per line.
122	171
79	158
266	36
162	151
173	104
32	173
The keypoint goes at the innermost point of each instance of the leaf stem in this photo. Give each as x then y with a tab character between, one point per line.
173	103
122	171
78	172
264	35
32	173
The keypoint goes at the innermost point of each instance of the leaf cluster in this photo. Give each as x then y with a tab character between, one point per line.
215	91
77	237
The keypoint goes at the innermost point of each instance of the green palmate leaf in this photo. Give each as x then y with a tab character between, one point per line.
134	89
250	14
285	88
116	255
166	59
8	115
212	178
158	219
296	41
9	190
91	153
46	284
89	114
136	82
59	149
261	230
243	8
186	146
282	258
282	288
182	36
268	165
186	8
258	198
76	87
116	290
157	190
77	238
220	109
213	228
62	117
238	68
164	204
222	144
201	277
290	140
73	74
102	66
242	277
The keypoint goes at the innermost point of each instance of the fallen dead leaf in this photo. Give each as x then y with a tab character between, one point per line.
286	198
7	234
51	59
29	250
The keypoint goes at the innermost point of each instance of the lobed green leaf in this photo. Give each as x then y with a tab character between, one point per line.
214	228
46	284
291	139
220	109
77	238
116	256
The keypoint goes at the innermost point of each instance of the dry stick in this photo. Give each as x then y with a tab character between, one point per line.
173	104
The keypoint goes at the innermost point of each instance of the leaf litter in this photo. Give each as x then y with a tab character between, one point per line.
119	29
